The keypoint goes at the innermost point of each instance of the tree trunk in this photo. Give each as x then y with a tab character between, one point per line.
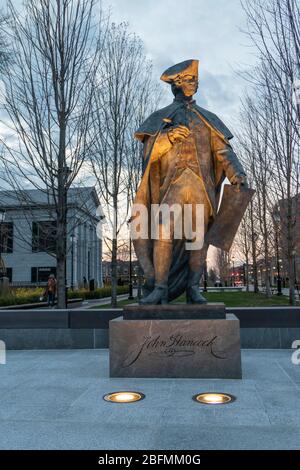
267	283
61	248
291	260
291	268
62	209
246	274
290	244
253	243
61	283
114	251
267	273
114	273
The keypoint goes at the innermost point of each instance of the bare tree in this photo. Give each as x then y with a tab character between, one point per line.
118	109
292	12
273	27
4	48
254	140
47	99
149	96
222	263
242	244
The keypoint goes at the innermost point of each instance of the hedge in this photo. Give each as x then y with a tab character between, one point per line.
99	293
29	296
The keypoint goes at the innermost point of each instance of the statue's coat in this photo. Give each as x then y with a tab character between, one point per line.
149	189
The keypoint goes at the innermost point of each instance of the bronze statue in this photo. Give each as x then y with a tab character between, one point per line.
187	155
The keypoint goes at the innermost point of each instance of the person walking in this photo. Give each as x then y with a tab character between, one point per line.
50	291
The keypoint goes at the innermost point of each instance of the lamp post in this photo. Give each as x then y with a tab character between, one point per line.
276	218
2	265
245	276
295	271
72	238
254	261
205	277
130	296
232	277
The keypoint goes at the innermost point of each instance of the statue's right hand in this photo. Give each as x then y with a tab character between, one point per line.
178	134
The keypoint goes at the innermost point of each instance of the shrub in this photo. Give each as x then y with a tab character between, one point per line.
99	293
20	295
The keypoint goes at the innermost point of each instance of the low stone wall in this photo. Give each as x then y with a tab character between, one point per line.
58	338
261	328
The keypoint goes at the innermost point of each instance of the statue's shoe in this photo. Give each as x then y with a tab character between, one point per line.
158	296
148	287
193	296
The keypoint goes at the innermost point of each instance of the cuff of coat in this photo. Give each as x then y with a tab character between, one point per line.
162	144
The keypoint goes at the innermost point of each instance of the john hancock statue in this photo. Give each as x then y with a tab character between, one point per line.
187	156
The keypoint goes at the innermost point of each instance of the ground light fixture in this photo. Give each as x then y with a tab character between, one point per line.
214	398
124	397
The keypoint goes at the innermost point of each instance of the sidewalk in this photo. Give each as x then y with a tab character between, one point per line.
53	400
285	290
86	304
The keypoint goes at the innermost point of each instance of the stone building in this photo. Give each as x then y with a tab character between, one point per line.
27	237
281	218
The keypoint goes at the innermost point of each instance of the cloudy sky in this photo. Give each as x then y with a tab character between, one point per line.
210	31
175	30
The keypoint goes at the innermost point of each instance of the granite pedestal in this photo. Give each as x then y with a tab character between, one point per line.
203	343
211	311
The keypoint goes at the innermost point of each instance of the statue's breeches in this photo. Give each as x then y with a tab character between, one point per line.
186	189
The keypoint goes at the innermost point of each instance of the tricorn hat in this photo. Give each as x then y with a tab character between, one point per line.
187	67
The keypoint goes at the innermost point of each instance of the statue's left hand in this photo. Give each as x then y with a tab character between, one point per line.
239	179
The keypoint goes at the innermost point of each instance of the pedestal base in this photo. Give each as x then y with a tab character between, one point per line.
211	311
187	348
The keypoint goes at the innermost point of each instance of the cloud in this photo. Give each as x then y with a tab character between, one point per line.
173	31
209	31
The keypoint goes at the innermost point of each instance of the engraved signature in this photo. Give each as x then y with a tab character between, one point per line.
174	346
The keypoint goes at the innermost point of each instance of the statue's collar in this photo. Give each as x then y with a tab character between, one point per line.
186	101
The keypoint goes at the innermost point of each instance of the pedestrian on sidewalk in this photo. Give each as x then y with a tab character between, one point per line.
50	291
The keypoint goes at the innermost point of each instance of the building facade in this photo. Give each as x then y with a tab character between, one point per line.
280	213
27	237
123	272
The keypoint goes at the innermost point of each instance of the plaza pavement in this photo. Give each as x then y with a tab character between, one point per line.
53	400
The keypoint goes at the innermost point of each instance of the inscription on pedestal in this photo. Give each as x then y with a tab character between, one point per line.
175	348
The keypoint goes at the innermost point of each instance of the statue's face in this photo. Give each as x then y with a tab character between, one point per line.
188	84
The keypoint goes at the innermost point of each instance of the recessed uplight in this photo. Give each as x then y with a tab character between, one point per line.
214	398
124	397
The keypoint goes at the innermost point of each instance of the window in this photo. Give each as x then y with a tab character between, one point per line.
9	274
44	236
6	237
41	274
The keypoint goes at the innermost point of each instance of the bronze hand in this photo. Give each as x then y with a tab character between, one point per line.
178	134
